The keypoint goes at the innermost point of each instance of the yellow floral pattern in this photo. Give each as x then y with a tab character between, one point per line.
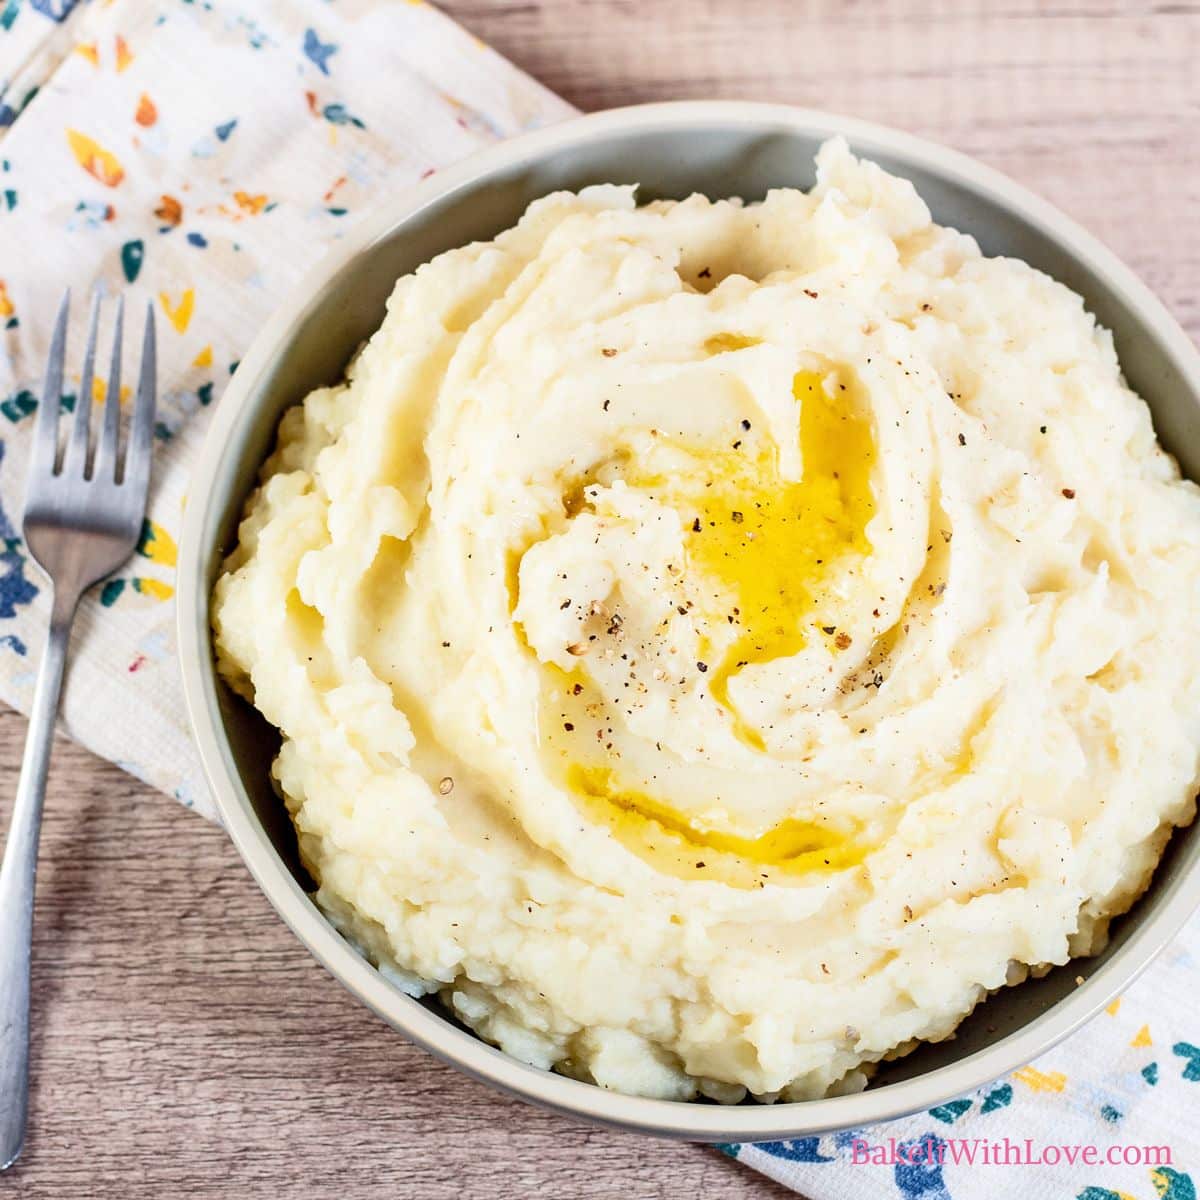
207	204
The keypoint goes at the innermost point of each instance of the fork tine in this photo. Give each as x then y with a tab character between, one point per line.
141	434
76	459
45	438
105	466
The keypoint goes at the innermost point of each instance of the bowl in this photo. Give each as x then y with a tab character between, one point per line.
722	149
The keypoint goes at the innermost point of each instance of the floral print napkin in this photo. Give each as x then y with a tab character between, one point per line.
1113	1113
200	155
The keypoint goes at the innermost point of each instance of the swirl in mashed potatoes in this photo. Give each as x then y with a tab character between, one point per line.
715	644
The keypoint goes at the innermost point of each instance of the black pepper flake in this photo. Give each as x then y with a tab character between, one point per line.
565	604
702	667
445	645
696	525
810	293
962	440
608	352
829	629
1069	493
606	404
736	517
745	423
1041	429
568	727
705	274
699	866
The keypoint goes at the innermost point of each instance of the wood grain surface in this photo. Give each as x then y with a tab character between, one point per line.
185	1044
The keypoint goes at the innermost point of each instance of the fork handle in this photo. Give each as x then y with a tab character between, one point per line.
17	875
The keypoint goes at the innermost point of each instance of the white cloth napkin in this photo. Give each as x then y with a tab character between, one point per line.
200	155
1127	1086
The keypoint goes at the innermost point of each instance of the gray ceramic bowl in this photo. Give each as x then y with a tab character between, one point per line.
721	149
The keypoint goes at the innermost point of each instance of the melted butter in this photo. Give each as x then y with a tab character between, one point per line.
770	543
662	836
722	343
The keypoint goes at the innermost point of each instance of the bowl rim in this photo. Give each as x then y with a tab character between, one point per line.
686	1119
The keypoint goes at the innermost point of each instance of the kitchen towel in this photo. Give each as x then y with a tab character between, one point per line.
200	155
1125	1088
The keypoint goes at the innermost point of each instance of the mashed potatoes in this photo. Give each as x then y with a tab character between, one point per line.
716	644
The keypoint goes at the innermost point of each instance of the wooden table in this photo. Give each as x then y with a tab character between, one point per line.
185	1043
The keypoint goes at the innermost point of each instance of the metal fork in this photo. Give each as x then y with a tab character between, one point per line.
83	518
